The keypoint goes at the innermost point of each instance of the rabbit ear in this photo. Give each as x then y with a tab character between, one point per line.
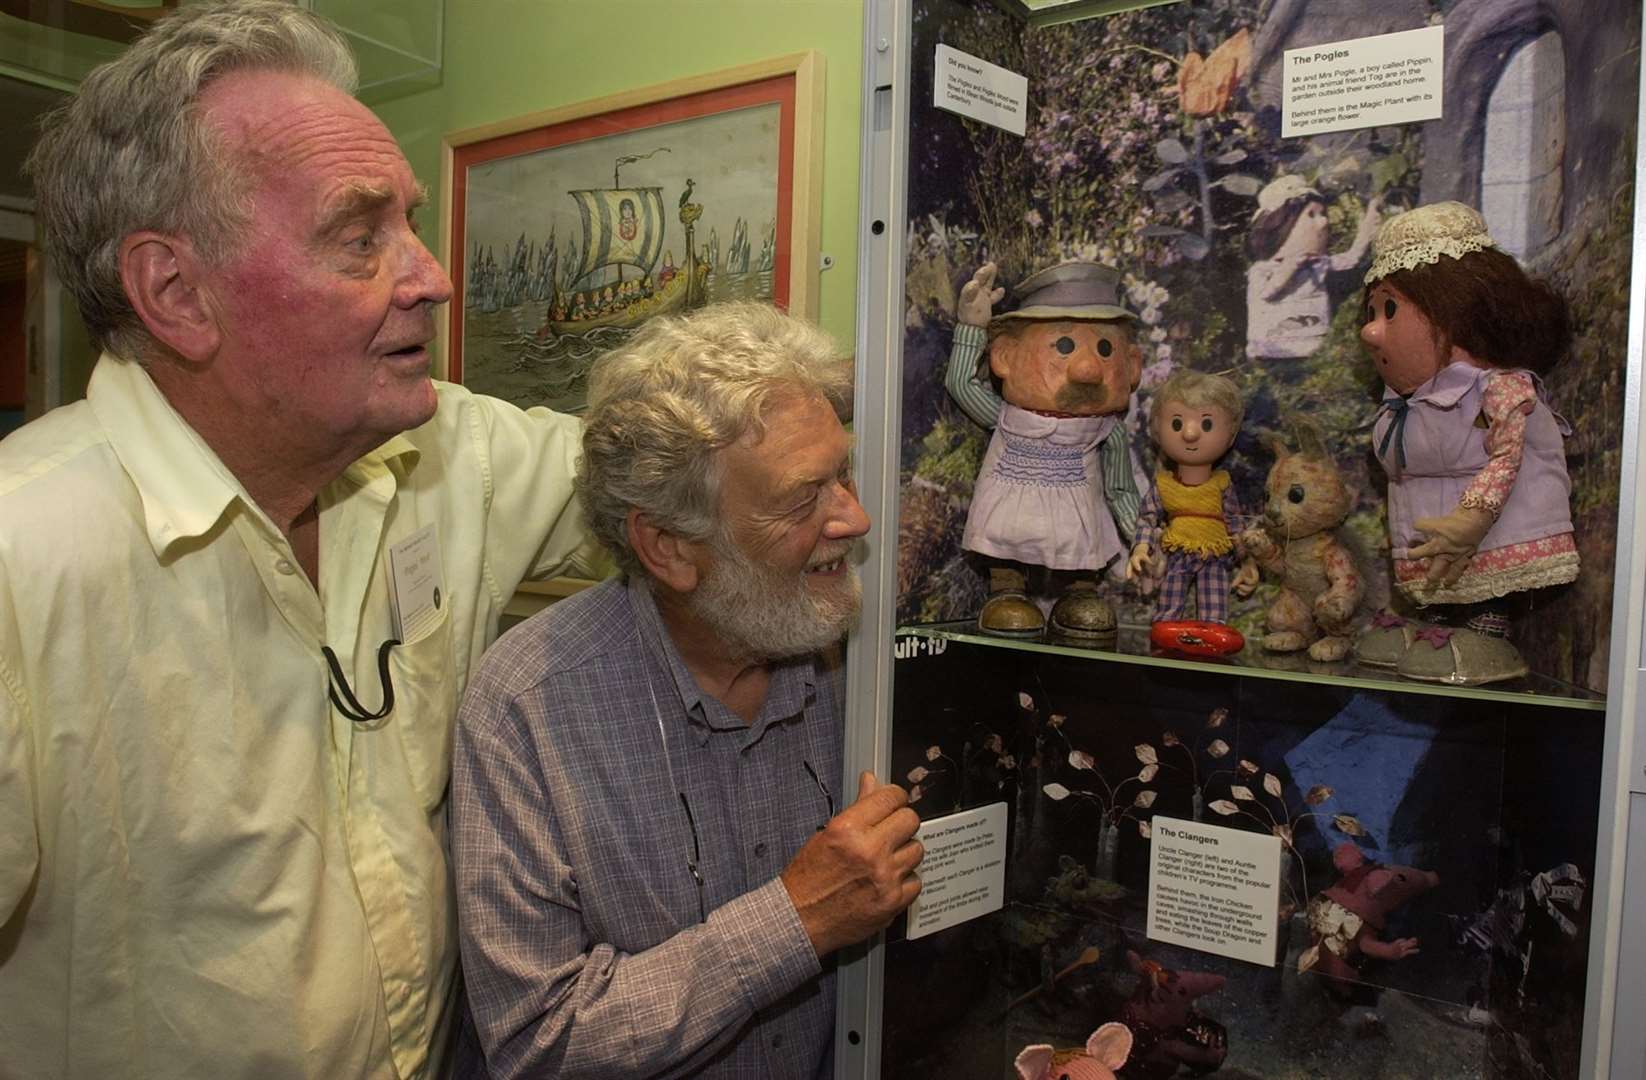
1311	441
1275	444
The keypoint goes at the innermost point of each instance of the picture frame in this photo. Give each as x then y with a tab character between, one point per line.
756	130
565	230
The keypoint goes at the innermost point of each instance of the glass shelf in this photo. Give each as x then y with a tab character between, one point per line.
1132	647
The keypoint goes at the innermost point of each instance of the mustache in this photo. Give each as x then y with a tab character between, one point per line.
829	555
1078	397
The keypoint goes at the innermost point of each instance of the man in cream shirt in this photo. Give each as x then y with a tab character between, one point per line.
222	791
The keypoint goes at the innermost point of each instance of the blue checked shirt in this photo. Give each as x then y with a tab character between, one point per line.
584	942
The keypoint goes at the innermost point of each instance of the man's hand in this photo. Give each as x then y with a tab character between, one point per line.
856	874
1452	542
978	297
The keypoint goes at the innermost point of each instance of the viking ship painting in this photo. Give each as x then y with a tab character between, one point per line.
616	280
559	270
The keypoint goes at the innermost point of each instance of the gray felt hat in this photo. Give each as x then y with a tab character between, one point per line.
1070	290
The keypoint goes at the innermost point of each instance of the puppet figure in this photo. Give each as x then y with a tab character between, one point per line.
1056	487
1479	499
1104	1052
1191	514
1297	543
1288	310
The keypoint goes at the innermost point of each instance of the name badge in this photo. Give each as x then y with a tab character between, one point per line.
415	583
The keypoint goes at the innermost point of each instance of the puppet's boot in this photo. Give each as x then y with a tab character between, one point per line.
1009	612
1461	658
1083	617
1385	640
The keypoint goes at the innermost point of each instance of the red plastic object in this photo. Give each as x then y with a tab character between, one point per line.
1196	638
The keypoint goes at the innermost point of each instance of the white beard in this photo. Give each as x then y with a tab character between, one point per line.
766	614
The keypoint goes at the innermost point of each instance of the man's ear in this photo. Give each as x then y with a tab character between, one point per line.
1002	353
162	276
669	559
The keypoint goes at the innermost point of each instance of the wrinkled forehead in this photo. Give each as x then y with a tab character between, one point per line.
287	120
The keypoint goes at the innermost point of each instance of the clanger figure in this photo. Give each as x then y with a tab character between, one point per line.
1056	488
1190	517
1479	498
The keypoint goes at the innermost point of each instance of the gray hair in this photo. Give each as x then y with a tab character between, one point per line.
1198	389
681	390
129	150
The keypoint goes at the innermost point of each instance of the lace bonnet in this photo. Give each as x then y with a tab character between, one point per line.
1419	237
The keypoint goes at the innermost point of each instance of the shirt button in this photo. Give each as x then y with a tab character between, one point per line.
760	848
285	566
777	1040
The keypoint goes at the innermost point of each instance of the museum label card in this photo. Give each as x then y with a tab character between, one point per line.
414	583
963	872
1365	82
983	91
1214	889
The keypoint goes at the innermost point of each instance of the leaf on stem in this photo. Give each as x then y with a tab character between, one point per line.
1345	823
1171	151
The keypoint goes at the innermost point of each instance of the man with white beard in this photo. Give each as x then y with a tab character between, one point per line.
652	875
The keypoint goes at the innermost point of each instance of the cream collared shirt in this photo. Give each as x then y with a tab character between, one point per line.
205	870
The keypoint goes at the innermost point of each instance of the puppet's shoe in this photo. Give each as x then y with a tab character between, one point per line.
1011	614
1082	617
1460	657
1386	640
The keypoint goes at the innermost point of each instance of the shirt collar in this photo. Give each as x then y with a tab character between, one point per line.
1448	386
185	487
793	682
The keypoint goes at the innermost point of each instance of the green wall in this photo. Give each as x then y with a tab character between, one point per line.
504	58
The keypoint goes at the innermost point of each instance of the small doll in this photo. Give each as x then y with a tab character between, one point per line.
1479	499
1056	488
1288	310
1192	513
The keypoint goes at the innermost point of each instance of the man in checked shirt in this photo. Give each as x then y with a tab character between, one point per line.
652	875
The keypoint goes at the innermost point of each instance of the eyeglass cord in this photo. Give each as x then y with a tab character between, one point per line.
343	698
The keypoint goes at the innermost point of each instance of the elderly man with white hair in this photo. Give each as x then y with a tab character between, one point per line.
241	585
652	872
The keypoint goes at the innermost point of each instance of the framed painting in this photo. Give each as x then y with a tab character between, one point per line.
565	230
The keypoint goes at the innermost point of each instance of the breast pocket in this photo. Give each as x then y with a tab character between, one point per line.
425	706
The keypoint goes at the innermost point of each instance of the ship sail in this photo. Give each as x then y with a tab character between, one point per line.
620	225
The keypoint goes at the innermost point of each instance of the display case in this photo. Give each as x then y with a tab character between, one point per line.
1490	822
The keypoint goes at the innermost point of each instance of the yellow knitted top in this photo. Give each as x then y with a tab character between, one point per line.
1194	515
